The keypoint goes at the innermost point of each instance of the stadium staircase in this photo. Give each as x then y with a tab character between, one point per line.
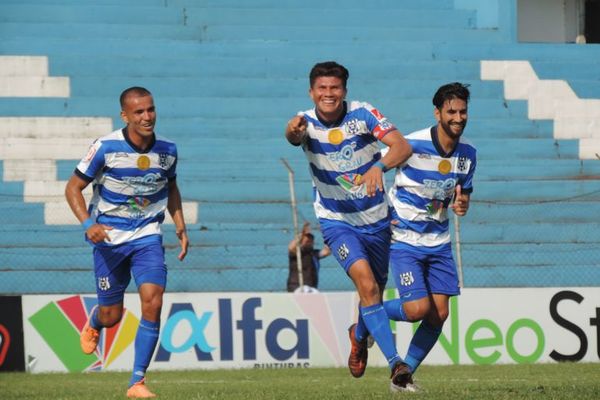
228	74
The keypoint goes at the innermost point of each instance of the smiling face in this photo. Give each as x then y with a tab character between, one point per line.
328	94
139	113
452	117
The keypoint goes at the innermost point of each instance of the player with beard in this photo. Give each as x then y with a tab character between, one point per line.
438	176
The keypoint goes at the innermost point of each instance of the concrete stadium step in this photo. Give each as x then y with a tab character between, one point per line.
53	127
532	276
68	14
533	52
502	255
529	233
318	4
23	66
192	17
64	30
222	107
312	52
584	88
303	15
348	33
583	71
535	169
575	211
15	212
401	87
256	190
285	5
267	66
479	125
244	236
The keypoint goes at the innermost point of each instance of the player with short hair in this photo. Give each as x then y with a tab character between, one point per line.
438	176
340	141
134	179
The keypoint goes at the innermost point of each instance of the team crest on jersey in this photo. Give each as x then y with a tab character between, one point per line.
138	203
462	164
353	126
163	160
143	162
335	136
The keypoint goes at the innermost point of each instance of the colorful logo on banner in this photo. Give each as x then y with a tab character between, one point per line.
60	323
4	343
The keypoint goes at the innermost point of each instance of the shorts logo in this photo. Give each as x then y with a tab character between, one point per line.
406	279
103	283
343	252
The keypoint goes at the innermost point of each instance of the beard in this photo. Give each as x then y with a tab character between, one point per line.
448	129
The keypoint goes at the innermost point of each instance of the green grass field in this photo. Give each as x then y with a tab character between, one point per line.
573	381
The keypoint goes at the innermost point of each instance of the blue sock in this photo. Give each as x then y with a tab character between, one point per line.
422	342
361	331
394	310
378	324
94	321
145	343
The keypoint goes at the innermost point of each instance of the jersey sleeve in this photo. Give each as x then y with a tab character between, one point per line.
377	123
467	182
92	163
172	171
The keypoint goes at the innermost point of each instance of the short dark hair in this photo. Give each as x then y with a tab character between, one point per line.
454	90
329	68
134	90
309	236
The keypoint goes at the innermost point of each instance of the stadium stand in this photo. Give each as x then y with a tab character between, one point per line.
228	74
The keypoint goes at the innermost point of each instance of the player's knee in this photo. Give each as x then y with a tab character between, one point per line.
416	310
110	316
369	294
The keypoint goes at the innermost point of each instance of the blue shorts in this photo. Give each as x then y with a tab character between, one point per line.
418	273
349	246
113	267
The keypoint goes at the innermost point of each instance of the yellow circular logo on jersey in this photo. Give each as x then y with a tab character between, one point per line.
336	136
444	167
143	162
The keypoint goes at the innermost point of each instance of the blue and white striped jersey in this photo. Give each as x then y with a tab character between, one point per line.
130	186
338	155
425	185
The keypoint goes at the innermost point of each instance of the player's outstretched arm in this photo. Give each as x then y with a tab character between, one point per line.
295	131
176	211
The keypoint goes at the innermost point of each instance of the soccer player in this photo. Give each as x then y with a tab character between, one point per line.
133	175
438	176
339	139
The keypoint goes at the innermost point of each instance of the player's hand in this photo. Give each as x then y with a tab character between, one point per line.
296	129
461	202
184	242
98	233
373	181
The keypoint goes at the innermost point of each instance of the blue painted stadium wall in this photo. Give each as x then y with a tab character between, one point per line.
226	77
